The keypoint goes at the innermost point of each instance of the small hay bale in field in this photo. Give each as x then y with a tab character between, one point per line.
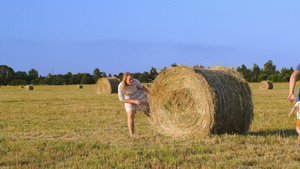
29	87
196	102
266	85
21	87
79	86
107	85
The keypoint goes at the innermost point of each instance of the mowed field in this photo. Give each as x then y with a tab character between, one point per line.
66	127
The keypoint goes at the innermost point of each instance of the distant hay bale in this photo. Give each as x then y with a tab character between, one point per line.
266	85
21	87
107	85
79	87
29	87
196	102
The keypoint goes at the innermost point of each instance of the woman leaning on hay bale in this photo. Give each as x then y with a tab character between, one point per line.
132	93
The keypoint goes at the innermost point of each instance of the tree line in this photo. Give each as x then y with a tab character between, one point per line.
9	77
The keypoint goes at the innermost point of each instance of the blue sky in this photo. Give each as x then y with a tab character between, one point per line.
133	35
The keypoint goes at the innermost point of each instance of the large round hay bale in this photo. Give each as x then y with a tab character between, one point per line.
28	87
107	85
79	87
21	87
266	85
186	101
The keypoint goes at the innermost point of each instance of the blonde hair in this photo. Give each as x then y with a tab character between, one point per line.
126	74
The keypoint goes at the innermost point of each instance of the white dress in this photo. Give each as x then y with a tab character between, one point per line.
133	92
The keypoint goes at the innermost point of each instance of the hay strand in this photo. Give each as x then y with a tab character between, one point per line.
197	102
107	85
266	85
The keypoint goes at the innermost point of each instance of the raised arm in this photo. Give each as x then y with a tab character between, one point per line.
146	90
291	96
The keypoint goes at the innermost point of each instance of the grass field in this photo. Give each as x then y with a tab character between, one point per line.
66	127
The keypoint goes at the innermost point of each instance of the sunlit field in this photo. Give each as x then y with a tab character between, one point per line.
66	127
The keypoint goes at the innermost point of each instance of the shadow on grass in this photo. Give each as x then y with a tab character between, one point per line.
281	133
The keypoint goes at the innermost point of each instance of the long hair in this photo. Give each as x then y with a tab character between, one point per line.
126	74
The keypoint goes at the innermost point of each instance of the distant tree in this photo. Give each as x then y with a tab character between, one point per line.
104	74
86	79
120	76
247	73
21	75
262	77
35	81
285	74
7	74
58	80
269	68
255	72
16	82
275	78
174	65
32	74
97	74
198	66
153	74
75	79
286	79
144	78
136	75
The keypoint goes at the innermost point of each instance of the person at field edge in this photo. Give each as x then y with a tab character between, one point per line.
292	84
296	107
133	94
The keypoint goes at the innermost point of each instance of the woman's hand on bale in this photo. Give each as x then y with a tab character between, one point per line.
138	102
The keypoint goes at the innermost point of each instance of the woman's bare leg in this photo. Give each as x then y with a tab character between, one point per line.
130	120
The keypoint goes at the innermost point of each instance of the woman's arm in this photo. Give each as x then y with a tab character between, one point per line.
293	78
146	90
138	102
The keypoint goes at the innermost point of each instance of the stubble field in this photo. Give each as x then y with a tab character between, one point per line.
66	127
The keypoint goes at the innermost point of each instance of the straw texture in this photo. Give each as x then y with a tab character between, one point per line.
266	85
107	85
197	102
28	87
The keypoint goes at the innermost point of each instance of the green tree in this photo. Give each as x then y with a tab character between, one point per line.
198	66
269	68
32	74
120	76
86	79
262	77
21	75
153	74
247	73
7	74
97	74
174	65
255	72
